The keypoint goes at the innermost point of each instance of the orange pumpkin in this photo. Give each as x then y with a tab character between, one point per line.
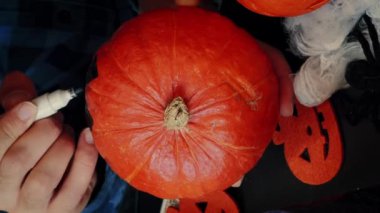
282	8
184	104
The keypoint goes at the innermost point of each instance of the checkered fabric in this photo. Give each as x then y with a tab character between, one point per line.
52	41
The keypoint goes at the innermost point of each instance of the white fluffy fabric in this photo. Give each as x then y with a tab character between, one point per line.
325	29
322	75
374	11
322	35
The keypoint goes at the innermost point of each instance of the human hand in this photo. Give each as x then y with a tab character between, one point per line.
40	168
283	71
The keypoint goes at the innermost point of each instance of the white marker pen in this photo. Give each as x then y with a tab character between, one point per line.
49	103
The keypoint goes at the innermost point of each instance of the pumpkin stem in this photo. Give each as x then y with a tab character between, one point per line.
176	114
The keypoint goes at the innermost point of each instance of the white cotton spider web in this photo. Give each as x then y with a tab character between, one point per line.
325	29
322	75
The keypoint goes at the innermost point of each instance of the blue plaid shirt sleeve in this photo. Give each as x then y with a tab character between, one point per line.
110	196
53	41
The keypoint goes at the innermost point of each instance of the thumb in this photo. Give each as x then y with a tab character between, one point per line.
16	87
14	123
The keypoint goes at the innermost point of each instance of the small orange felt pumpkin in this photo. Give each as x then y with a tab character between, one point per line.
282	8
217	202
313	145
184	104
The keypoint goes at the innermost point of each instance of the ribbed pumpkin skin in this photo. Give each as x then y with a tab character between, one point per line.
283	8
226	81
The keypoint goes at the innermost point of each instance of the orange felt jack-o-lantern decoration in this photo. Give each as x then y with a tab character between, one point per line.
282	8
184	104
217	202
313	145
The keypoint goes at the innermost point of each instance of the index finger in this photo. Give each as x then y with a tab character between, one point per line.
14	123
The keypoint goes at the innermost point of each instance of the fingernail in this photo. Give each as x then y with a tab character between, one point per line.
286	111
88	136
25	111
15	97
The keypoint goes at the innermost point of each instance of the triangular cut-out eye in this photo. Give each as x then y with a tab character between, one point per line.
278	127
295	111
321	118
309	131
305	155
202	206
326	148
